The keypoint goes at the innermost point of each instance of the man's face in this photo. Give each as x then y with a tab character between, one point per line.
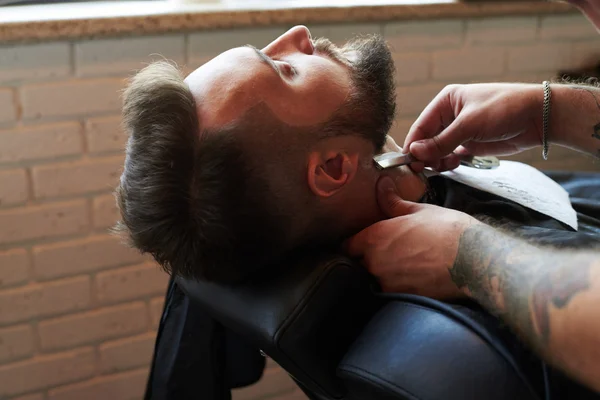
302	82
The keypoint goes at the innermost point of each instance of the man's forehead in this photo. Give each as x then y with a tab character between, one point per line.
226	87
222	87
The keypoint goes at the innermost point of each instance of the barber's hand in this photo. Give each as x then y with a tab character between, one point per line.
412	251
478	120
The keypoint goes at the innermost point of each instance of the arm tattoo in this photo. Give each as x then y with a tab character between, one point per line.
517	281
557	287
596	134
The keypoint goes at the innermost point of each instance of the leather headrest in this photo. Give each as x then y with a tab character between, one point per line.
420	348
305	317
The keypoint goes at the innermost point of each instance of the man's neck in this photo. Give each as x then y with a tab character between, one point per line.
355	208
359	208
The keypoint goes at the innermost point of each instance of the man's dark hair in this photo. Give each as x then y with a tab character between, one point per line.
190	198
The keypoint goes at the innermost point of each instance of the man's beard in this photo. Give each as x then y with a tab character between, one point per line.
371	109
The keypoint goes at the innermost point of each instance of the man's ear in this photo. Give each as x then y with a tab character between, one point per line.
329	171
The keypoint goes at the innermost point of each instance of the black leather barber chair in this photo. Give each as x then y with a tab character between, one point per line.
322	320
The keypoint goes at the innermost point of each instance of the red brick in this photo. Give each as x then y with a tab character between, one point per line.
270	363
126	353
534	155
205	45
561	27
412	67
18	62
93	326
34	396
82	256
123	55
501	30
105	211
15	342
124	386
295	395
586	53
470	62
45	371
66	179
526	77
156	309
40	300
130	283
341	33
400	129
573	163
105	134
413	99
423	34
8	112
71	98
39	222
14	267
40	142
540	57
13	187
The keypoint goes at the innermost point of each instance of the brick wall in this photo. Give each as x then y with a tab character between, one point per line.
78	311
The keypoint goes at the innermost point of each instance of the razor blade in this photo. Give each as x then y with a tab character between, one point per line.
395	159
392	160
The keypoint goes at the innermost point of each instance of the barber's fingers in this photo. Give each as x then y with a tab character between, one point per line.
363	243
448	163
444	143
354	246
461	151
390	203
437	116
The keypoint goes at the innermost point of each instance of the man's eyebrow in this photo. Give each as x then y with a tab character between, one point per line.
264	58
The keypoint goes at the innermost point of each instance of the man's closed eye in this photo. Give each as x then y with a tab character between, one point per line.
285	68
281	67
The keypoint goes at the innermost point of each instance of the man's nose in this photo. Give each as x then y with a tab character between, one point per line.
294	40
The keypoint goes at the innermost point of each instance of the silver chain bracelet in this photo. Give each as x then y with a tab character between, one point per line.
546	118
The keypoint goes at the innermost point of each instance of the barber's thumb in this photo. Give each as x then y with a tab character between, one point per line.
435	148
390	203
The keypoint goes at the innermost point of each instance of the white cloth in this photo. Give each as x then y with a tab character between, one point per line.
520	183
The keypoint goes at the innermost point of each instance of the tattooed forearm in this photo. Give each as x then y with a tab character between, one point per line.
556	288
548	296
517	281
596	127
